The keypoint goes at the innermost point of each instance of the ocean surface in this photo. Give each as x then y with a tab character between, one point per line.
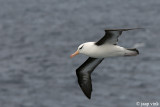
38	36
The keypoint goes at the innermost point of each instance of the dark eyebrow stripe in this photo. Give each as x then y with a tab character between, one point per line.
81	47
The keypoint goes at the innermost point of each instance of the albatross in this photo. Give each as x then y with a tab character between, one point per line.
97	51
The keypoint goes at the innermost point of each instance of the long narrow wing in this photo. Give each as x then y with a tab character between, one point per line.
84	74
111	36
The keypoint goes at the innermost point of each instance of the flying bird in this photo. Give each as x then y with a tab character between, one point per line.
97	51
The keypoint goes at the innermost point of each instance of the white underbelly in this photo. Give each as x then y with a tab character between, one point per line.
106	51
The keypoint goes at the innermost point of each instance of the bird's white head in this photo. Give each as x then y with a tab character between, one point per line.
79	50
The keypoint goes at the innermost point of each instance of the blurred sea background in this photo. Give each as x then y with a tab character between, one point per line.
38	36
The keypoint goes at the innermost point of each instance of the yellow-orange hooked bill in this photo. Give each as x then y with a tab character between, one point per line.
74	54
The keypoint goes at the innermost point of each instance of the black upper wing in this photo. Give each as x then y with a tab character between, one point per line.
111	36
84	74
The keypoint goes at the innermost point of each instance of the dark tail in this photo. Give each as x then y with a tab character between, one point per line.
135	50
132	52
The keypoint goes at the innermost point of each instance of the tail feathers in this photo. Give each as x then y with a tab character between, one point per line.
135	50
132	52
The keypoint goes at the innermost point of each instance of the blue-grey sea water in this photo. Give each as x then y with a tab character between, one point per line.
38	36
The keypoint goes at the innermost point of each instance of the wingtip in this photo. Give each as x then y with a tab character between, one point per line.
137	28
88	96
123	29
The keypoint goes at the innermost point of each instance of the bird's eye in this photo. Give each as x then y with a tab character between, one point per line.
81	47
